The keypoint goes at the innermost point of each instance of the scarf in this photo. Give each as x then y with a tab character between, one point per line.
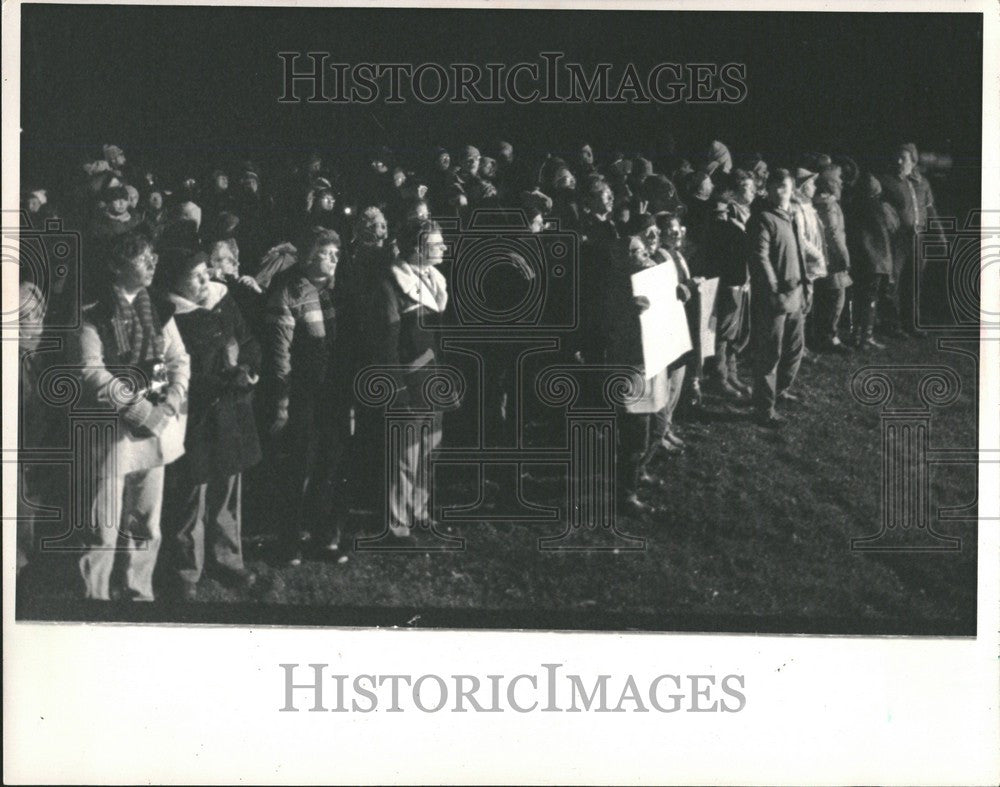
136	330
424	285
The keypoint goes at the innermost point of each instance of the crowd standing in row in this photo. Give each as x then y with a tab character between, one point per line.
224	325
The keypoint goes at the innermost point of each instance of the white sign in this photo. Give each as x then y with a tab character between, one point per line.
707	292
665	334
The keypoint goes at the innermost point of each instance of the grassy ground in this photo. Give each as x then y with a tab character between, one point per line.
755	535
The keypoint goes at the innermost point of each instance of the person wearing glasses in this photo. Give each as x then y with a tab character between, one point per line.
133	364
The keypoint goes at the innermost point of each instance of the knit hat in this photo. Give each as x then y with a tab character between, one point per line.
803	176
910	148
470	152
829	181
719	157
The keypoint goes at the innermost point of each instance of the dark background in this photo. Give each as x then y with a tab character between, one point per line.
200	85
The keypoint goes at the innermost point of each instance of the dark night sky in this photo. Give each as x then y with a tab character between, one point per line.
203	83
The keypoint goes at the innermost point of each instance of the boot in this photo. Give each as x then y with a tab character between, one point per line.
734	375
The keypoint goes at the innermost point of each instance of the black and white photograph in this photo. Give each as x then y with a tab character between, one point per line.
470	319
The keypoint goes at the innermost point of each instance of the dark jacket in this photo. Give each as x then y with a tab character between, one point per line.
221	437
357	294
911	198
728	252
870	226
778	281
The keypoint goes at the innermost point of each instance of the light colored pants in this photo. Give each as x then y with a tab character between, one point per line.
410	444
197	513
125	520
676	382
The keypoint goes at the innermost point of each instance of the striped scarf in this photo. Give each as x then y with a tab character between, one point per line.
136	329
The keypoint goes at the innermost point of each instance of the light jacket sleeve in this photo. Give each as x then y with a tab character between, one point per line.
98	383
115	392
177	361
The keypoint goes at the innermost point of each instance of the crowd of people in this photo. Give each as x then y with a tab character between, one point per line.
226	320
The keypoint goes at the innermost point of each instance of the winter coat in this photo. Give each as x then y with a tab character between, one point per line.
871	224
728	251
410	302
777	262
357	294
838	260
221	437
301	328
911	198
143	439
812	239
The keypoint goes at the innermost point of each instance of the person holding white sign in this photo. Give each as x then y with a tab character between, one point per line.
648	330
